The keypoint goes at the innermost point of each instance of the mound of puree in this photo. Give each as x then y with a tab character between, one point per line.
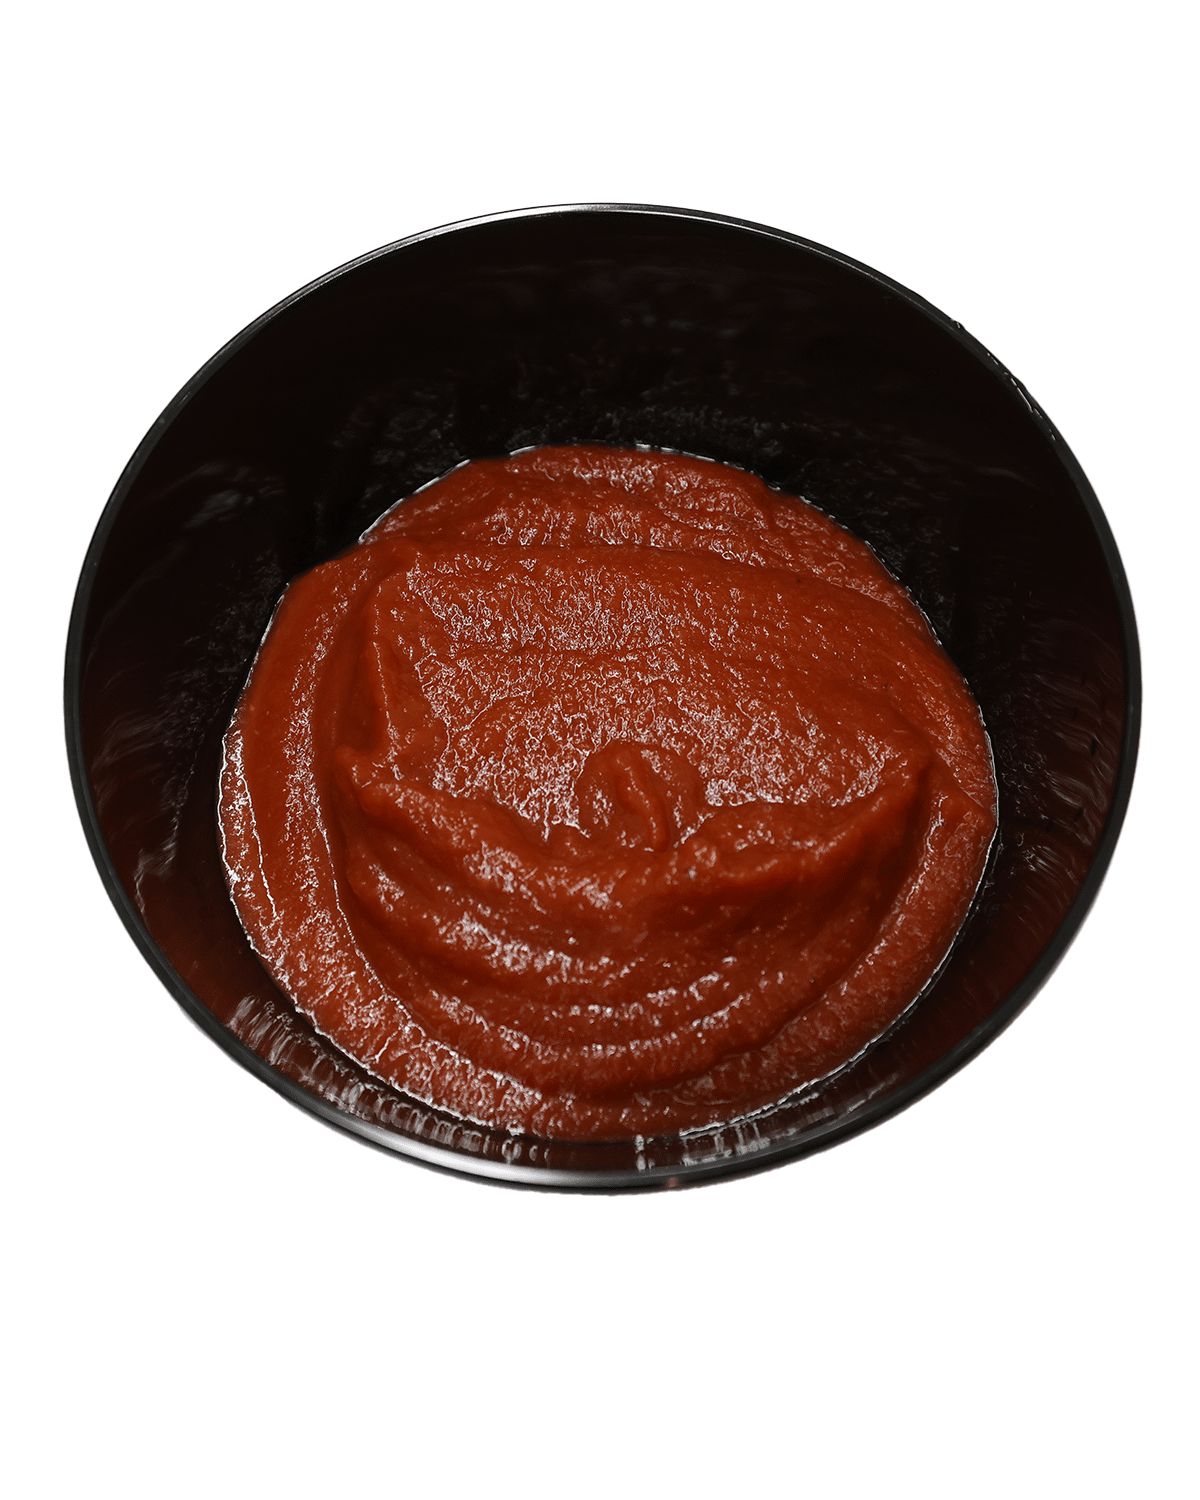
599	793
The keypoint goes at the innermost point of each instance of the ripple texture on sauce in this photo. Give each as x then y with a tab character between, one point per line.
600	793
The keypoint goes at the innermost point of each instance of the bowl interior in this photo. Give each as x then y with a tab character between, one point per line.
628	327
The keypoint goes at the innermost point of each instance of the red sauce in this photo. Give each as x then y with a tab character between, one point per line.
599	793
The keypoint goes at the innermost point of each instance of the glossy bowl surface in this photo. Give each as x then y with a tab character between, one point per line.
629	325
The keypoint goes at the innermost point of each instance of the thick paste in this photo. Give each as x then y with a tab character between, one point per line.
599	793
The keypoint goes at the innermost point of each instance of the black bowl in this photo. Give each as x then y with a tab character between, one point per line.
625	325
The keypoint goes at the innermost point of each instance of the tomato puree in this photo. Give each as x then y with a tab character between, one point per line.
599	793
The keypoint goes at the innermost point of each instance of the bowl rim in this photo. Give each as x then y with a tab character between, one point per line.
516	1174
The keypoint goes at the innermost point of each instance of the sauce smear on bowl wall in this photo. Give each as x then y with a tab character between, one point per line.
600	793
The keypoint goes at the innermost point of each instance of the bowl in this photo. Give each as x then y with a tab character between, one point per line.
629	325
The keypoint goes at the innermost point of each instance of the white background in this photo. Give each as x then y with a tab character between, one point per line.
208	1293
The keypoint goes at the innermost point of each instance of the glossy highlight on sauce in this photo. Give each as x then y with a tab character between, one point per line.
600	793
